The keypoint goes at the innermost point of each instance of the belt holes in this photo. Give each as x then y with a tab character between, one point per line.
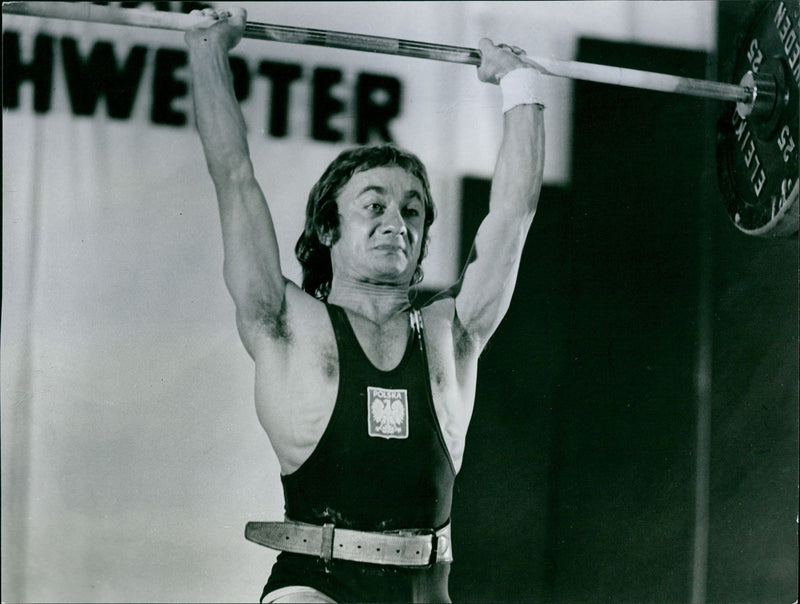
305	540
359	547
398	551
377	549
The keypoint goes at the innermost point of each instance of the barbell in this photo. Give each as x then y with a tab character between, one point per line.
757	133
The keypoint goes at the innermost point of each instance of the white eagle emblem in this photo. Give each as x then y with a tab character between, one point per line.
387	412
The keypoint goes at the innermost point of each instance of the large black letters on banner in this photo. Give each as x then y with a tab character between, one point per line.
166	88
281	75
377	102
100	73
88	80
325	105
39	71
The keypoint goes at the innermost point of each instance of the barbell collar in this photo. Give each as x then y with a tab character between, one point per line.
764	97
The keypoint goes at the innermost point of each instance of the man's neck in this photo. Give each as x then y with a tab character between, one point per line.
376	302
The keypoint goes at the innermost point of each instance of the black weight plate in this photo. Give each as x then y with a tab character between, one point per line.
757	157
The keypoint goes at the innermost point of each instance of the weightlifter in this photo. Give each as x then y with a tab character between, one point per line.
365	399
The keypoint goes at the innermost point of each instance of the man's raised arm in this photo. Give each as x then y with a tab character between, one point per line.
252	267
488	281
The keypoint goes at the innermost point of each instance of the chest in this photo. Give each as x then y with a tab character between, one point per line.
297	392
385	344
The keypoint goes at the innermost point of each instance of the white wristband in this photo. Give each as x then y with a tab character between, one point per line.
519	88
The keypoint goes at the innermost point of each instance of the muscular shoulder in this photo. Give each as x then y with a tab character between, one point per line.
296	377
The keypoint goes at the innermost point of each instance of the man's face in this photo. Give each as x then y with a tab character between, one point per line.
381	220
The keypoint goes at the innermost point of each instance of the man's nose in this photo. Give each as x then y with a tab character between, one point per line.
393	219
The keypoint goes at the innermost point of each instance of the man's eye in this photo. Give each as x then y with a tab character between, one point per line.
375	206
412	212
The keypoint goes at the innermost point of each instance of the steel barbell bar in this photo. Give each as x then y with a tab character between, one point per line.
745	95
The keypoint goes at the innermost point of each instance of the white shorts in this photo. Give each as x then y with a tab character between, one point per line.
297	593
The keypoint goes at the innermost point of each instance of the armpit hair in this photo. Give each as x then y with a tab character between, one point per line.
463	342
275	324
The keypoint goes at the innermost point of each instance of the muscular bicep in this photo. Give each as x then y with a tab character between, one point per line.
488	280
252	267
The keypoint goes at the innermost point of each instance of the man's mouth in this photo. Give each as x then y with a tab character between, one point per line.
390	247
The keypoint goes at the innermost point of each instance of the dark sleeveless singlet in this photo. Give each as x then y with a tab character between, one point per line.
382	464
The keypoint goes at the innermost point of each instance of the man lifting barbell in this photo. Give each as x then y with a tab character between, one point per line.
366	400
348	383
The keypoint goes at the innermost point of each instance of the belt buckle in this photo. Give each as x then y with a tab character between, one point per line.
434	544
434	549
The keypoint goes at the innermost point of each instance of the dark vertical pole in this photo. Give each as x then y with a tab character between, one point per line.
704	353
703	394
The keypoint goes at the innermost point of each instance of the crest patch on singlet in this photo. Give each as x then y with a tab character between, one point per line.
387	412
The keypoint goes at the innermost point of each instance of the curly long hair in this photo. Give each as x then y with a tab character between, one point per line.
322	211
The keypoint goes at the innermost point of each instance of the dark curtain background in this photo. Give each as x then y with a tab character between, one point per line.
579	479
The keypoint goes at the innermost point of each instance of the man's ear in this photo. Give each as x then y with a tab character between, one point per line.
324	237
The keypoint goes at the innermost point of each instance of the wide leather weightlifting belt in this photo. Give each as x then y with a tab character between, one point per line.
413	548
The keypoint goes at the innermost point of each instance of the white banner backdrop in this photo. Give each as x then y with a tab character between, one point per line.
131	453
